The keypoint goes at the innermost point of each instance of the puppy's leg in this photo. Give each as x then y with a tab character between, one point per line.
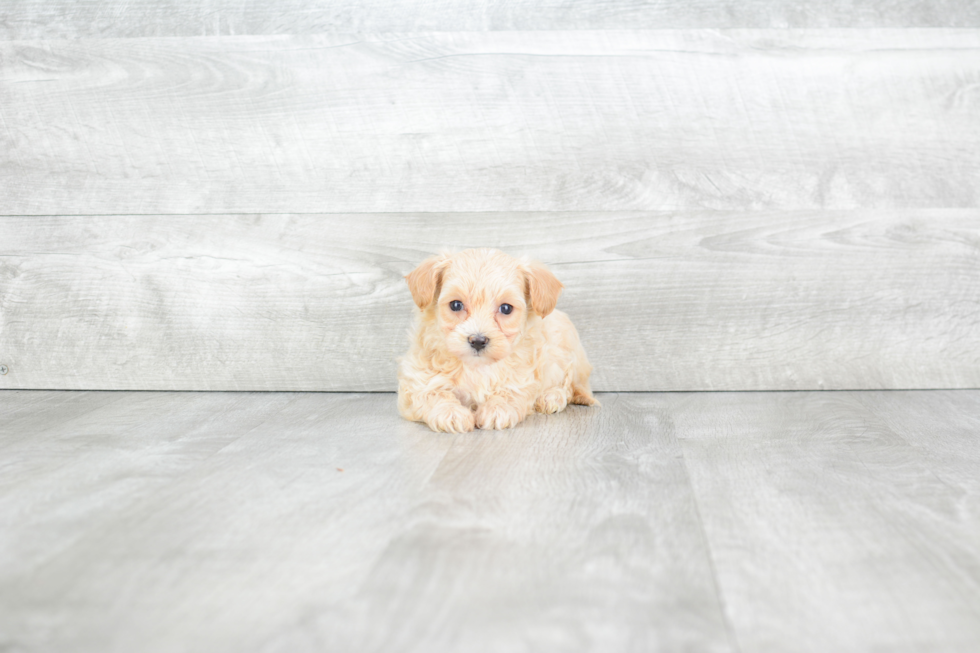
552	400
565	370
438	408
582	396
446	414
579	389
502	411
573	389
557	390
443	412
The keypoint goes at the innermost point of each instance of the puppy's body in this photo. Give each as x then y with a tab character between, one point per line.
488	347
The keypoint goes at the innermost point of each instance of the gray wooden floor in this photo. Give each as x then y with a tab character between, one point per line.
807	521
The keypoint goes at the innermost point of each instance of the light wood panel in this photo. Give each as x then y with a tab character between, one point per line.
574	532
58	19
221	522
498	121
55	19
198	521
663	301
840	521
748	522
34	19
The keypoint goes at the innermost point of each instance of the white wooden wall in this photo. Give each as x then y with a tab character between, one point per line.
752	195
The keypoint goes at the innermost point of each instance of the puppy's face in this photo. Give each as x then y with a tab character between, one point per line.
480	301
482	314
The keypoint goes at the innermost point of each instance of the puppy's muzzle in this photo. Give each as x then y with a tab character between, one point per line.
478	342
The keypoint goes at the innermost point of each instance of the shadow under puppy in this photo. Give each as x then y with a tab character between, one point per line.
488	348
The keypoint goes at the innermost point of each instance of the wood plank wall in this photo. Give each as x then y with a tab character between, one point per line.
753	195
60	19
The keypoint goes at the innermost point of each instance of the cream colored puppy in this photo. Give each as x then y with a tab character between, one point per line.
488	348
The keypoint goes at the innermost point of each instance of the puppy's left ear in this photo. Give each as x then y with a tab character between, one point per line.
543	287
424	281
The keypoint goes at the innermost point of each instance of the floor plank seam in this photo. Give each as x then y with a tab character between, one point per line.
716	581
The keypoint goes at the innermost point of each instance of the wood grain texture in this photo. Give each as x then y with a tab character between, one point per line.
492	121
221	522
58	19
663	301
752	522
840	521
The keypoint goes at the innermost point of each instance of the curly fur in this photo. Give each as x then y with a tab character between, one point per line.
533	360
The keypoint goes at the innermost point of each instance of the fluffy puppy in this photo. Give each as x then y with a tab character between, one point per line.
488	347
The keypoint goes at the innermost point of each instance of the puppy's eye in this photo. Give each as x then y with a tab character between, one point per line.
456	305
506	309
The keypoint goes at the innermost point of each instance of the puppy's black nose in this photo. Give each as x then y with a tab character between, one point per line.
478	341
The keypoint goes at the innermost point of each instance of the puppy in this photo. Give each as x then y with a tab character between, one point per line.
488	347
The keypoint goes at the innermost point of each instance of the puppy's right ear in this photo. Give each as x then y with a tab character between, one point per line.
424	280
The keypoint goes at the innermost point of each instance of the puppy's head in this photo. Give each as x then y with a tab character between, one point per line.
480	301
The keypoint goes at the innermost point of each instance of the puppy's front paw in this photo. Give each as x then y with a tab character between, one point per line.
450	418
552	401
497	415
